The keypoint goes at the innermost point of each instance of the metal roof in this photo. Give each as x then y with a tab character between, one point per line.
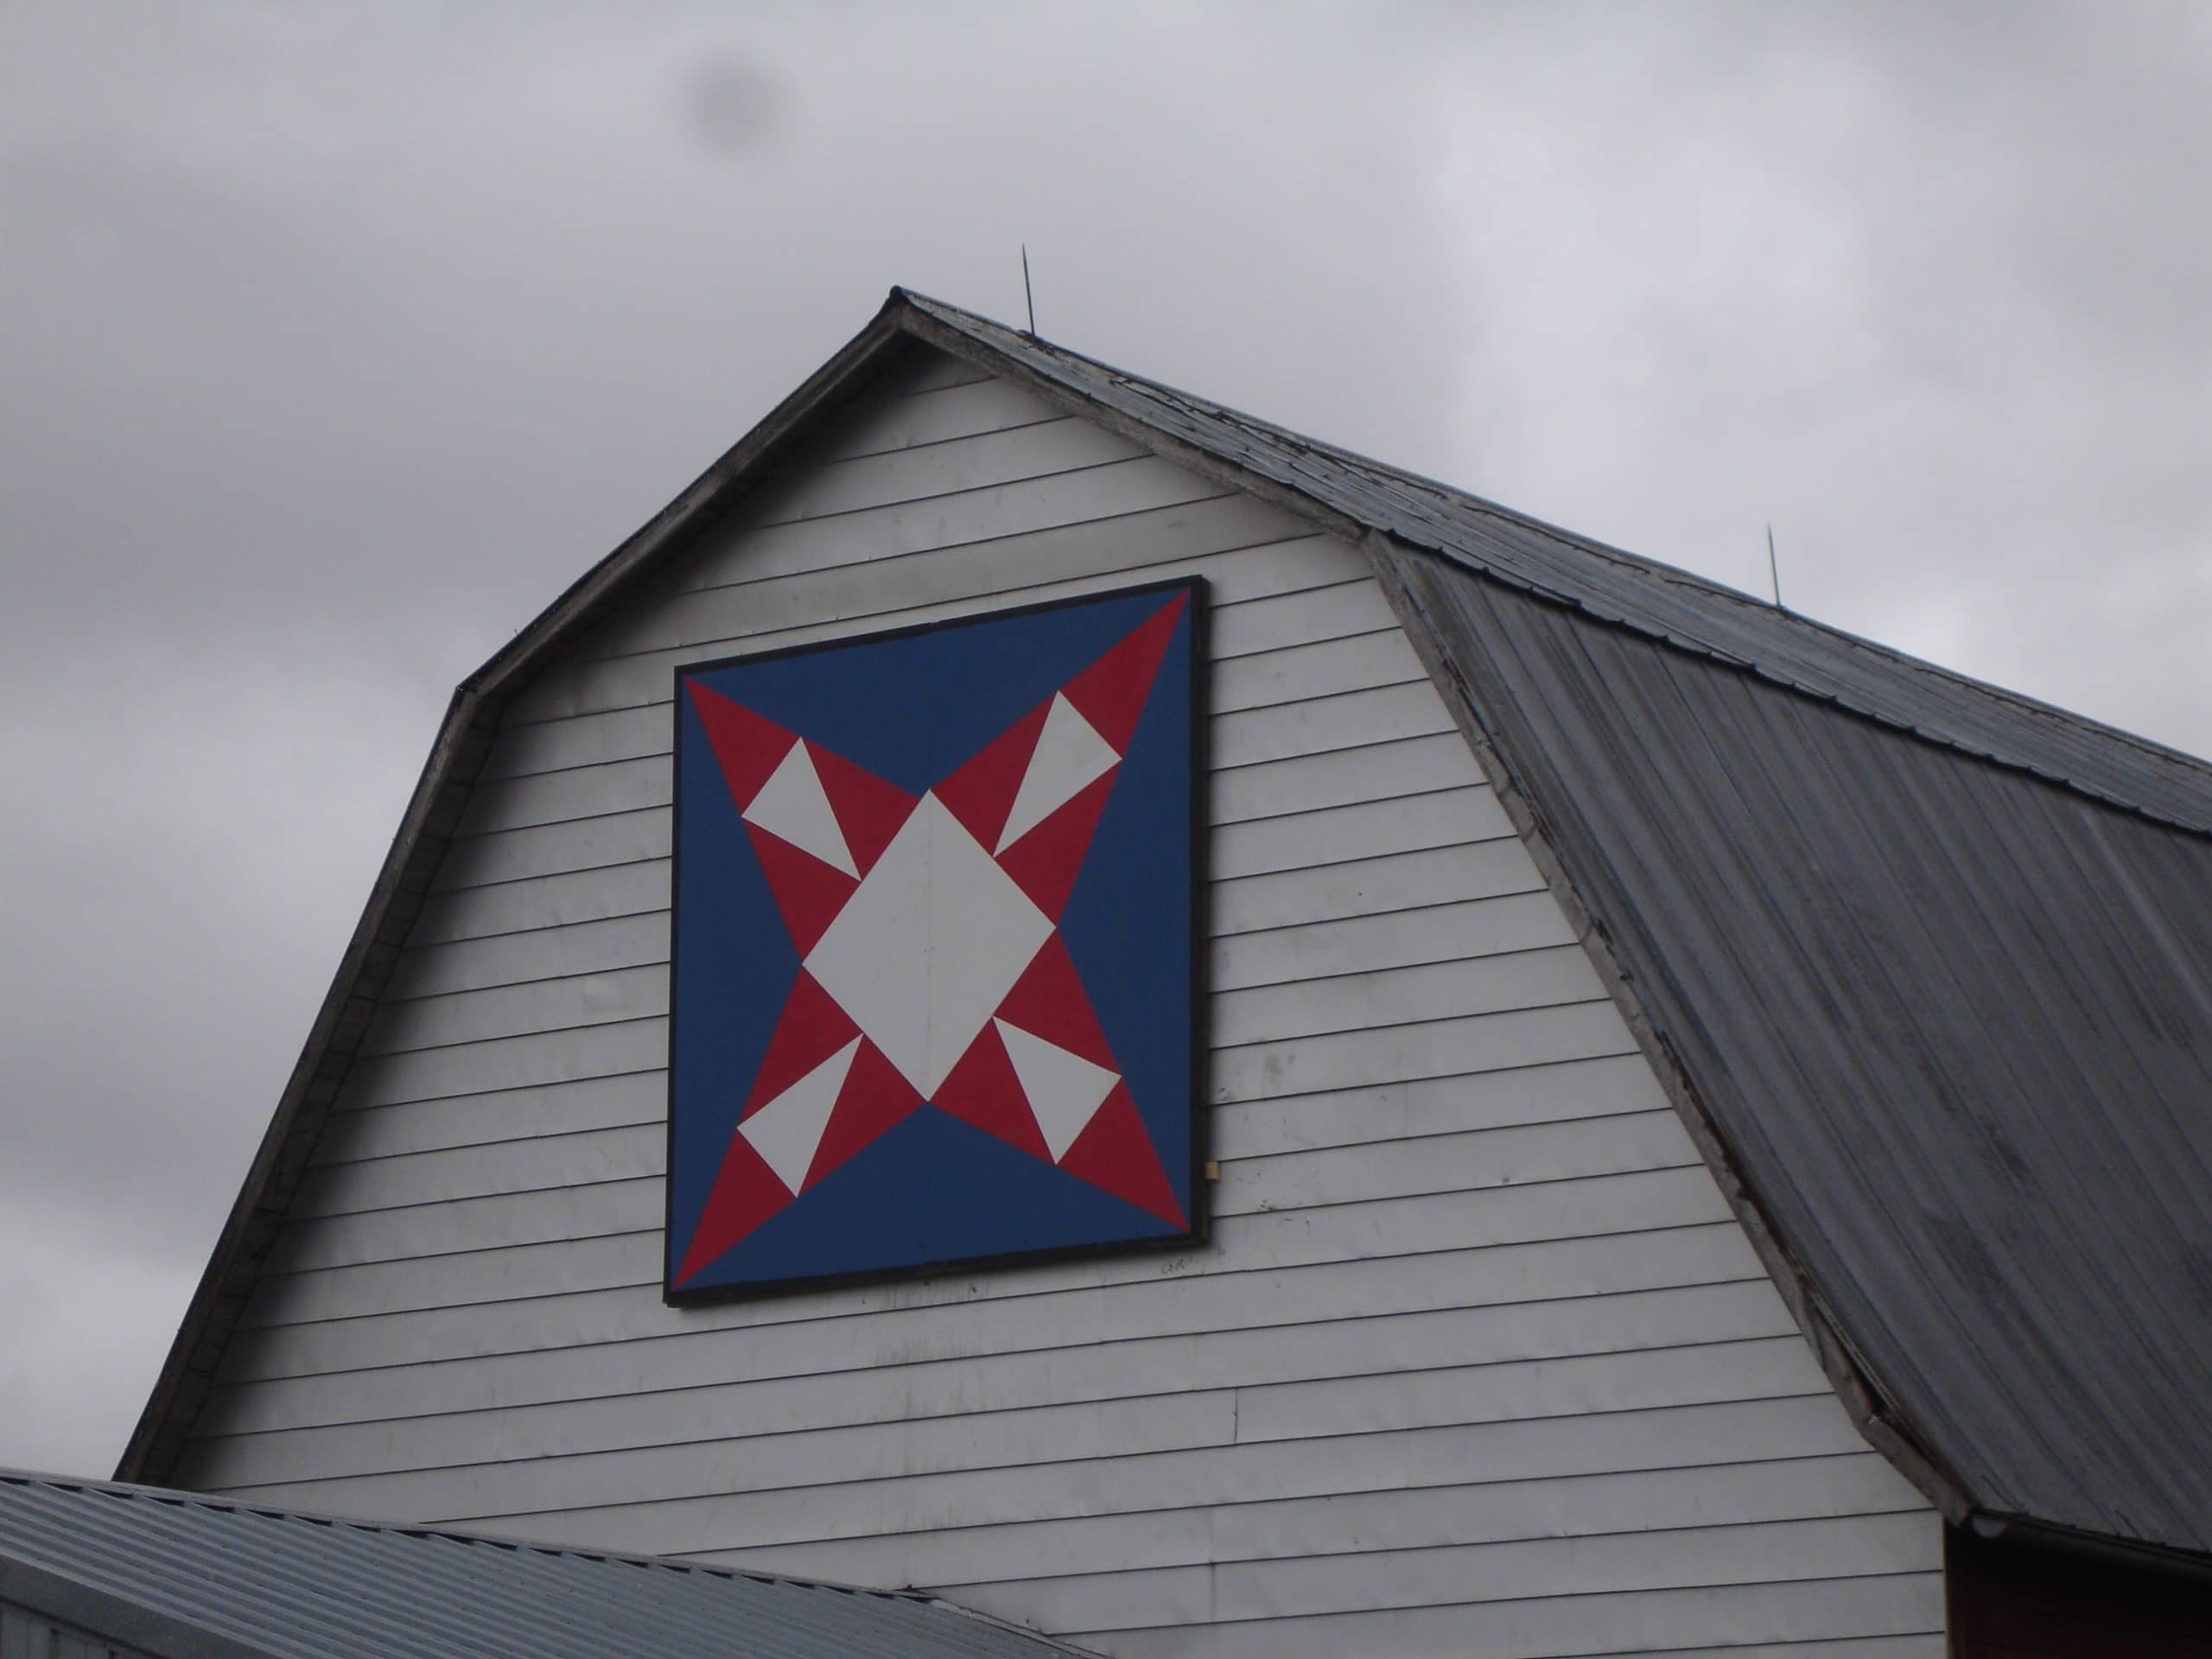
1931	963
201	1579
1927	964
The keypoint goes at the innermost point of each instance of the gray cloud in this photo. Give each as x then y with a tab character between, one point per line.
338	342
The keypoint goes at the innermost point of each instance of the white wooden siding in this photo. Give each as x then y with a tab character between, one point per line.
1476	1359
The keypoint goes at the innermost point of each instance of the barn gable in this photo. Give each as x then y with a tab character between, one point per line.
1475	1341
1523	1324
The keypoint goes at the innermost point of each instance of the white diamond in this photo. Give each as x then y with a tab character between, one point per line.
786	1131
1069	754
792	806
1064	1090
928	946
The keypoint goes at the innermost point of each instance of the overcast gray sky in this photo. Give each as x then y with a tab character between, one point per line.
337	341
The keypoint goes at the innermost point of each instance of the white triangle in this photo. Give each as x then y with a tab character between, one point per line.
792	806
1064	1090
1070	754
786	1131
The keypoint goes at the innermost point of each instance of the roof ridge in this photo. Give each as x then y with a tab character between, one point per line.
1453	498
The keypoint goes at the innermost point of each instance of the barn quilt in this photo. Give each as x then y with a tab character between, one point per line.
936	977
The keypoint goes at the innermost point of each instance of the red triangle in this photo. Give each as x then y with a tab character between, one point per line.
981	793
745	1194
1048	1000
809	892
868	810
1115	1153
1110	694
1043	862
982	1089
874	1099
748	746
811	1029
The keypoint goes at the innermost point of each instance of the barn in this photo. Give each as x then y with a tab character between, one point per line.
1049	993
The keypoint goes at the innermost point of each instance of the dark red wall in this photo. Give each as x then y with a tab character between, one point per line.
2016	1600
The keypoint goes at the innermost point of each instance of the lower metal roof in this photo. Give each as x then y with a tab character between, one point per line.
187	1577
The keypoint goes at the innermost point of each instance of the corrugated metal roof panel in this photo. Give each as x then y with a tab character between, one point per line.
162	1569
1955	1024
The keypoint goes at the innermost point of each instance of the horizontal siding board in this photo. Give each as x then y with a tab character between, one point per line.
918	370
1359	945
608	1376
1519	1273
451	951
537	1006
1026	1438
1451	1161
1737	1619
1462	1455
1789	1488
1244	1067
547	901
591	844
979	461
1629	1362
507	1114
474	973
558	796
1396	996
1412	1225
276	1429
1603	1087
510	1062
1609	1087
1828	1547
725	591
1278	1164
1843	1483
541	1163
1020	1437
1301	617
1292	673
1681	1376
1371	886
745	554
1246	552
1293	840
1381	772
1377	771
1315	725
1473	1326
1455	1163
1300	840
900	418
600	947
1439	1048
1319	725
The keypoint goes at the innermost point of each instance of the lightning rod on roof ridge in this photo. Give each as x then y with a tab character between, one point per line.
1027	293
1773	567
